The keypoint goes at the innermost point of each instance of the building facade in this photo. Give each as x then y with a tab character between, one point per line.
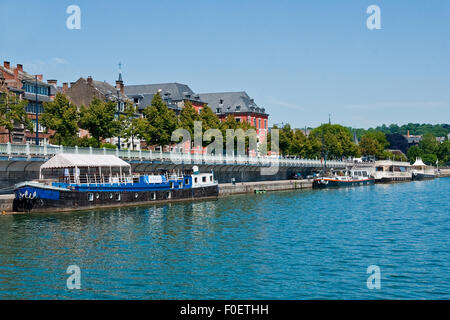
241	107
81	93
33	89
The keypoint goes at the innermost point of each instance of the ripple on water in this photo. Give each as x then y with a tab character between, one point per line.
284	245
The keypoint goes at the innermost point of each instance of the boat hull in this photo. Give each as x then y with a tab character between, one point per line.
422	176
393	179
334	183
71	200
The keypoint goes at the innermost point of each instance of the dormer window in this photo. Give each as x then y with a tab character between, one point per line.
221	101
219	110
238	108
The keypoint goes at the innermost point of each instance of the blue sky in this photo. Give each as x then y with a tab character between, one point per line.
301	60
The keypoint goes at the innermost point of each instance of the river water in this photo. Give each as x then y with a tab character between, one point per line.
283	245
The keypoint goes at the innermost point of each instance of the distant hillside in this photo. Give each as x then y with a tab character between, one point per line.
438	130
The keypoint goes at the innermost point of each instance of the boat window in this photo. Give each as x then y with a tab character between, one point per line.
117	196
180	185
172	185
97	196
210	178
90	196
153	195
195	179
110	195
169	195
203	179
186	181
136	195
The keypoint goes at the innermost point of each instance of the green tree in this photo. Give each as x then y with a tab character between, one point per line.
209	121
337	140
129	123
413	153
158	124
443	153
370	146
188	116
99	119
286	135
429	144
13	113
62	116
298	144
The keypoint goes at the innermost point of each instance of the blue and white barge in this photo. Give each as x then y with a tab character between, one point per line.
77	182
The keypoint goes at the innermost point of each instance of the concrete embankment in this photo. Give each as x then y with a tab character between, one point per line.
6	202
226	189
444	173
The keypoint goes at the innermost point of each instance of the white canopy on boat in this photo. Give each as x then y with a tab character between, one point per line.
65	160
418	163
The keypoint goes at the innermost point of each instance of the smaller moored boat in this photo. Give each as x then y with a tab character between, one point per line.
349	178
420	171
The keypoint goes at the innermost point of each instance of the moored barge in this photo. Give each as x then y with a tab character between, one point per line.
342	179
76	182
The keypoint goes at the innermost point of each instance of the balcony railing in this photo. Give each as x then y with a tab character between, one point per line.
29	151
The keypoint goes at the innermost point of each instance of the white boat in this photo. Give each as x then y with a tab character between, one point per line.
421	171
392	171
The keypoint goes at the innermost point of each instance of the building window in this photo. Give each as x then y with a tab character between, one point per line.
265	123
32	107
259	123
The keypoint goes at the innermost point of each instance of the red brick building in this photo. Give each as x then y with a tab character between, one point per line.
31	88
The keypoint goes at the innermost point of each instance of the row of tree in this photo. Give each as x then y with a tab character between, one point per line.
438	130
334	141
101	120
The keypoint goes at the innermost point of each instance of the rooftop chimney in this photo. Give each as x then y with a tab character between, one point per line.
52	82
20	67
89	80
119	86
40	77
6	64
65	87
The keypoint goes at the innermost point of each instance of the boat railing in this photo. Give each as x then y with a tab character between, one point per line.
98	179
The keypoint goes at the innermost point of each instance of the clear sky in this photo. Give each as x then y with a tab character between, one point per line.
301	60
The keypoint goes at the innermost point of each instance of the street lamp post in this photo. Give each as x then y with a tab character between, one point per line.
37	112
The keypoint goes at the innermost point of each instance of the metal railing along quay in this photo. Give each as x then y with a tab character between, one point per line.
31	152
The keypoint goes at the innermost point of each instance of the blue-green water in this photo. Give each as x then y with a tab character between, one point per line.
285	245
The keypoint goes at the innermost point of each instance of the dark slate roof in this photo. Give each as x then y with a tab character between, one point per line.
176	91
109	91
146	100
231	102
